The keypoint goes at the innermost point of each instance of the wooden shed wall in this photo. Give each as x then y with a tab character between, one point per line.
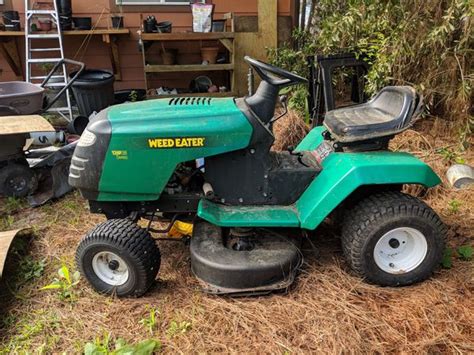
96	54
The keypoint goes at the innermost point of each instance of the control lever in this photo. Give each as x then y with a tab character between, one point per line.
284	103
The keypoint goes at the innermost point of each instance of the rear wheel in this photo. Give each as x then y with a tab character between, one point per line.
393	239
119	257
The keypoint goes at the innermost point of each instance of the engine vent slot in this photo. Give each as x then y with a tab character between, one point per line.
190	101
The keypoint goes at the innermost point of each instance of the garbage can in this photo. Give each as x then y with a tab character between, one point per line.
93	91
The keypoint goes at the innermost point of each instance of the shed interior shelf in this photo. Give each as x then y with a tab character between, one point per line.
157	72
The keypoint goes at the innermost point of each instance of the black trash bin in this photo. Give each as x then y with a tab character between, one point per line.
93	91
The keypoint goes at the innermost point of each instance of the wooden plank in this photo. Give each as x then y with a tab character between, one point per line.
115	57
9	50
227	43
24	124
186	36
97	31
255	44
187	68
6	239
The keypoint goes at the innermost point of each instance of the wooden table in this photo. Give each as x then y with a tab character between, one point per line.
9	47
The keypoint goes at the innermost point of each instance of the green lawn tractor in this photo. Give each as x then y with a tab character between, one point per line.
209	161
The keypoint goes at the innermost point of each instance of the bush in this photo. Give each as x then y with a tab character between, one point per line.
424	43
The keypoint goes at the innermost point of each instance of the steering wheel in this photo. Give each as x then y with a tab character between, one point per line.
274	75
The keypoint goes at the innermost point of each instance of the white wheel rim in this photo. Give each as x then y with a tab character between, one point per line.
110	268
400	250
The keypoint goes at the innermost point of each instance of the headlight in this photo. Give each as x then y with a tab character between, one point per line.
87	139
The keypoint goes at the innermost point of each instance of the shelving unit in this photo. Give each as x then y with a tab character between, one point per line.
225	38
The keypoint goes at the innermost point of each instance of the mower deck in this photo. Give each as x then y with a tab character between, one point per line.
266	264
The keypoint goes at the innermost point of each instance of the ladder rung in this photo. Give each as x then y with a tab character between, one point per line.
43	60
44	49
44	77
40	12
49	35
55	85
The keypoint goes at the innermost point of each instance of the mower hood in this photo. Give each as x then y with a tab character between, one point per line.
129	152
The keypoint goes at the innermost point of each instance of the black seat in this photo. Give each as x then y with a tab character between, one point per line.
389	112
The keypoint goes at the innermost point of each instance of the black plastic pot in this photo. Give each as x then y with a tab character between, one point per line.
117	22
164	27
218	25
82	23
129	95
11	19
64	6
93	91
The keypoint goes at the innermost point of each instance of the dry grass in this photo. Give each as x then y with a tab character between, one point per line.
328	310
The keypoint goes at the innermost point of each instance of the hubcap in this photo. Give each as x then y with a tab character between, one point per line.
110	268
17	183
400	250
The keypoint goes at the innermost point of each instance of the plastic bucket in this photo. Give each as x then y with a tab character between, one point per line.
93	91
11	19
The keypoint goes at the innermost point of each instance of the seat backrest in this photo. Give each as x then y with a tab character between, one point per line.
398	101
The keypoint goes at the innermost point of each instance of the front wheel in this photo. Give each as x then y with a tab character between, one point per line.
118	257
393	239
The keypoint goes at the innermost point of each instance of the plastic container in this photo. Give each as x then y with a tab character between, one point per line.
82	23
21	98
117	22
93	91
11	20
164	27
64	6
218	25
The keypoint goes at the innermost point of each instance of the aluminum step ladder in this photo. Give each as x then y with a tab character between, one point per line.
46	55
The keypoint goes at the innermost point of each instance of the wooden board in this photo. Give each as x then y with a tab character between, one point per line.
24	124
255	44
185	36
98	31
187	68
6	239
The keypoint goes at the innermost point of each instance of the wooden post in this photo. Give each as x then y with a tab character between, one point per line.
255	44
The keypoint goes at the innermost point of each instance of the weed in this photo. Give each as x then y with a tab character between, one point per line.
7	222
447	261
150	321
12	204
453	206
31	269
451	156
465	252
176	328
64	284
121	347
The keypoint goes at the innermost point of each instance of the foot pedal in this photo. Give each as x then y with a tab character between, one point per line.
271	264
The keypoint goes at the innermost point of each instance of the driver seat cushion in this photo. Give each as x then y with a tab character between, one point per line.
390	111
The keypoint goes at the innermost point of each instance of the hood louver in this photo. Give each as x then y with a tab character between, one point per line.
189	101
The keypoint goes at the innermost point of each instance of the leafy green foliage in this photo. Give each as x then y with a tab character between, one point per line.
465	252
104	346
454	206
64	284
176	328
150	321
423	43
447	261
31	269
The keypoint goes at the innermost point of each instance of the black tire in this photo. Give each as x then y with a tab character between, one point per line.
371	218
132	244
17	180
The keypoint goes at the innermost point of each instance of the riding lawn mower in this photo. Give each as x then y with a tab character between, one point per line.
209	161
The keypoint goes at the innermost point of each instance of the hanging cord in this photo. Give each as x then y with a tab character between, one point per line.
85	43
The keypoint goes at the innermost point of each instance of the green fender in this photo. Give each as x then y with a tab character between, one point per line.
343	173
